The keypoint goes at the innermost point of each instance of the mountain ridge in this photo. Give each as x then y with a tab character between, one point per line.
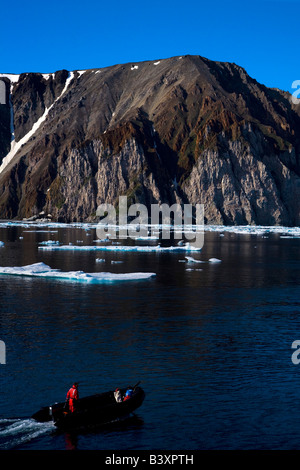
183	129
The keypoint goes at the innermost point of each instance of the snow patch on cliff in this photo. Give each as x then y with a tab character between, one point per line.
11	76
15	146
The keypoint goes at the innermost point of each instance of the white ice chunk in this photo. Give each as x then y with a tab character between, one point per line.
193	260
253	229
236	229
44	271
214	260
1	244
146	249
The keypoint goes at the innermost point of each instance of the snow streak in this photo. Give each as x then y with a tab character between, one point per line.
15	146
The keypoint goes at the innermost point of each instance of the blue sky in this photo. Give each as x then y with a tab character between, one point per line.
261	36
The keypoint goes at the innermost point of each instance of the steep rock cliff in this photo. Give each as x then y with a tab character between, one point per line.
184	129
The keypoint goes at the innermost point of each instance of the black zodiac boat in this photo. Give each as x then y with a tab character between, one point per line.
93	410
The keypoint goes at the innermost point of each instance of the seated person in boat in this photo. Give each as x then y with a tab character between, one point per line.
118	395
128	394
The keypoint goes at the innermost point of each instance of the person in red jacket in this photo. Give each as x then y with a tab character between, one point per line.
72	397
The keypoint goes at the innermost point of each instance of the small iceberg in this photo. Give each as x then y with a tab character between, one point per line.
214	260
42	270
1	244
190	259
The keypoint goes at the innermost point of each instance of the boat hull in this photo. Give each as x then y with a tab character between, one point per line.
93	410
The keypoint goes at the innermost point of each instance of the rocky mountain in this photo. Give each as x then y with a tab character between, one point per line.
184	129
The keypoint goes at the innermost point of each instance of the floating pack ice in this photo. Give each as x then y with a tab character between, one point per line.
146	248
254	229
42	270
238	229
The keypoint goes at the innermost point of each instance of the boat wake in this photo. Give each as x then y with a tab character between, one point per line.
15	432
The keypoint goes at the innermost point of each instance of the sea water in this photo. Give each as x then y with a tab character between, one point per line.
209	333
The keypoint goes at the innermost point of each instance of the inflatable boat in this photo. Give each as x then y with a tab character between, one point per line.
98	409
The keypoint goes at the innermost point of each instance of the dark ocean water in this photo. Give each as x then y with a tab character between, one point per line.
211	343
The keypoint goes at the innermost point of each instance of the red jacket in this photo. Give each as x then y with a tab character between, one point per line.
73	393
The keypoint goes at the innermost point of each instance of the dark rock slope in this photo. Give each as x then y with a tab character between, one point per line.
183	129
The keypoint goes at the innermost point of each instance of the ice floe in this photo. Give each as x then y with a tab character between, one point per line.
193	260
190	260
221	229
193	269
44	271
253	229
288	236
1	244
122	248
49	242
40	231
147	238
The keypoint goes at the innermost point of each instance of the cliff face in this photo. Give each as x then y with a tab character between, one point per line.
185	130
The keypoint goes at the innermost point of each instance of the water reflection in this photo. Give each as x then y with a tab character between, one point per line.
211	347
128	425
